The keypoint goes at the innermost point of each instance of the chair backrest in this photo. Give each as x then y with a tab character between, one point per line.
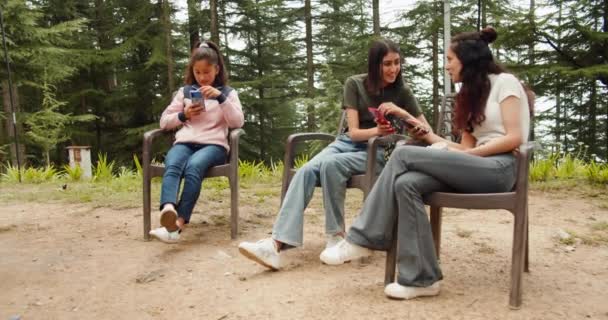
342	124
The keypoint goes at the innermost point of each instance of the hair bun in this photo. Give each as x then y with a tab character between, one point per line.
488	34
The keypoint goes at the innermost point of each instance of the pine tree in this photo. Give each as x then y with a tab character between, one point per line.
49	127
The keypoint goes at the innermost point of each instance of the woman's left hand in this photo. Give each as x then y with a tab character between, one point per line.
210	92
417	128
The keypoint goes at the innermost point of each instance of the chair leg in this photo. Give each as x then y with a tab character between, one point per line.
436	228
517	259
234	206
147	206
391	257
527	256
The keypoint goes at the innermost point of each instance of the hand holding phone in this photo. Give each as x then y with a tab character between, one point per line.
197	99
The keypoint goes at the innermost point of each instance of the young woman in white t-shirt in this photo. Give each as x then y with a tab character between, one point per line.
492	116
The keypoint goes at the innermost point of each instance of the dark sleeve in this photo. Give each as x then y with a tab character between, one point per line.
410	104
349	100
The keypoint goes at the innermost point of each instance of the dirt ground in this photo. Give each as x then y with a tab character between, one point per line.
84	261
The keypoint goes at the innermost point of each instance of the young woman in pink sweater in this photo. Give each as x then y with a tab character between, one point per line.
203	110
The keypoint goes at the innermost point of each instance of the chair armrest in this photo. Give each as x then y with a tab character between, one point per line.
234	138
523	166
296	138
149	137
372	150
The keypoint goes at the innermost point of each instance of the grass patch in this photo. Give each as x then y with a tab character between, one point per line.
597	235
599	226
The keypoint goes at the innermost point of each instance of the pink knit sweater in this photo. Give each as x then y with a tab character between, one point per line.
209	127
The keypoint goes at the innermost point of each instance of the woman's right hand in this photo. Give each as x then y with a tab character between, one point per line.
391	108
192	110
384	128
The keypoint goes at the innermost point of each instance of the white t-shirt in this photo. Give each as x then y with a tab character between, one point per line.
503	86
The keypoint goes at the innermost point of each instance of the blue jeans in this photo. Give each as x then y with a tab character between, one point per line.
331	168
190	161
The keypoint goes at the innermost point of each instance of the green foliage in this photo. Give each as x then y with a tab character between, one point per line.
11	174
276	168
104	170
73	174
542	169
300	161
39	175
30	174
47	127
121	61
126	173
253	170
140	171
597	173
569	167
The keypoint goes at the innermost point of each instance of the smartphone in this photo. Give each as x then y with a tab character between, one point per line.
378	116
197	98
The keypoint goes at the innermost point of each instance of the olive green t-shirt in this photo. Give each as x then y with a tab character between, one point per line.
357	97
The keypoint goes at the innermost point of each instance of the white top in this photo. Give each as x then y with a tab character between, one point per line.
503	86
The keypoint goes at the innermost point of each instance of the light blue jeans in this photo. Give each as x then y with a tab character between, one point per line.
331	168
190	161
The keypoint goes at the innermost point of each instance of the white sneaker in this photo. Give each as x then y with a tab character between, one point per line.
165	236
342	252
397	291
263	252
333	240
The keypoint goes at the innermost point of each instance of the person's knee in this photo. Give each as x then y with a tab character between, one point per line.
331	167
407	185
308	169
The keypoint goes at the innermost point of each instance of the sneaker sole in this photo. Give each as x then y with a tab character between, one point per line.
425	294
168	220
253	257
163	240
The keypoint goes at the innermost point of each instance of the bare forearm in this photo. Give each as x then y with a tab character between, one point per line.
362	134
433	138
496	146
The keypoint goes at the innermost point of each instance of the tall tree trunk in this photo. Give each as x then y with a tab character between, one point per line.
484	14
531	56
591	138
558	89
225	29
10	133
435	41
215	31
376	17
310	72
260	69
194	7
166	25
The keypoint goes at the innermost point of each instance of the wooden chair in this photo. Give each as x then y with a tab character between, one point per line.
230	169
515	201
364	182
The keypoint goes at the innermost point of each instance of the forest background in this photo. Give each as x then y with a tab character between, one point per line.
100	72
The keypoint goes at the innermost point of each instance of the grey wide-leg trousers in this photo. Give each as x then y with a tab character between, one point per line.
410	173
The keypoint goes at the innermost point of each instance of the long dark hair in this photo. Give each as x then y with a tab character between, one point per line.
378	49
207	50
473	51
